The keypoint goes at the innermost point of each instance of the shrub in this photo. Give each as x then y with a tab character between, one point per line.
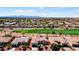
34	45
45	43
7	35
56	47
9	45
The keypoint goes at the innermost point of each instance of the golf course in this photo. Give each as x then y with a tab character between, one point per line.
50	31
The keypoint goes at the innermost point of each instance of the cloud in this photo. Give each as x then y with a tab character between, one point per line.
44	14
22	11
77	11
42	8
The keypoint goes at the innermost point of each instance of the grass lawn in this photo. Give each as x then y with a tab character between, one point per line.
50	31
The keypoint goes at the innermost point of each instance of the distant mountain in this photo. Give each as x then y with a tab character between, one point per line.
21	16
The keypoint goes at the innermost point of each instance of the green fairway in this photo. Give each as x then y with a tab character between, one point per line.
50	31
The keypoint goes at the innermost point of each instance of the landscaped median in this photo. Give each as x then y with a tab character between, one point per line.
50	31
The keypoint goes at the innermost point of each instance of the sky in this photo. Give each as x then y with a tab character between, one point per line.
40	11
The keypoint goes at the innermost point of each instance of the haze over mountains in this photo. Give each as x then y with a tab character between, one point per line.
21	16
24	16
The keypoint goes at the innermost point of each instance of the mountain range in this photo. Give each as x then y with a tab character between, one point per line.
21	16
